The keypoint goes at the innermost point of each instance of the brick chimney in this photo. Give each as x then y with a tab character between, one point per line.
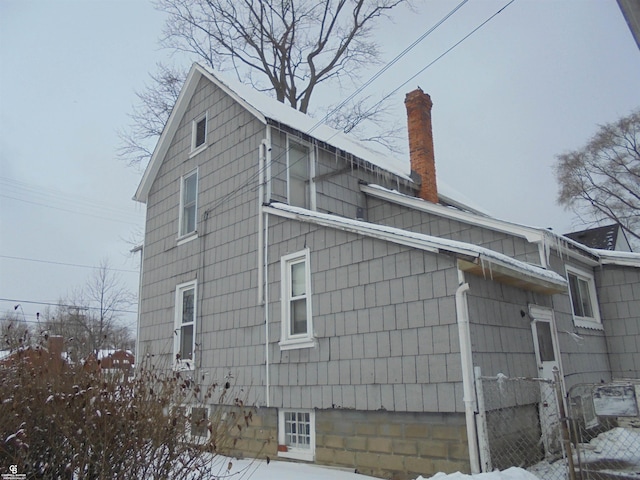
423	161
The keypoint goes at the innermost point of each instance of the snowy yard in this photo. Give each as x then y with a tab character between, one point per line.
260	470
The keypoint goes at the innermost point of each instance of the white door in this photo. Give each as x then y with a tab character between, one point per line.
545	341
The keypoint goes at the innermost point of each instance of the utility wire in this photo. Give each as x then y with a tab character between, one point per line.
247	183
51	304
67	264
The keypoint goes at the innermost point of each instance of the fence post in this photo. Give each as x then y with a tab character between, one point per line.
481	424
566	439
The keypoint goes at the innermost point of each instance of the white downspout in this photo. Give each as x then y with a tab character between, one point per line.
264	217
462	314
139	248
261	154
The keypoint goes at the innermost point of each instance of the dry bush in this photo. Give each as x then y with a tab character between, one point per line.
85	425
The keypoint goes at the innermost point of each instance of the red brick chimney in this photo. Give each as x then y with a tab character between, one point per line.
423	161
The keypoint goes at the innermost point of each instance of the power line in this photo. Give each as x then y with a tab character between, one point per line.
248	182
51	304
70	211
67	264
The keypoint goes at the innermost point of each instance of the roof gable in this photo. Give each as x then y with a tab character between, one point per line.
264	108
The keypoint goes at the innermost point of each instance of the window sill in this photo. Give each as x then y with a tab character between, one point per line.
196	151
590	323
187	238
292	344
297	454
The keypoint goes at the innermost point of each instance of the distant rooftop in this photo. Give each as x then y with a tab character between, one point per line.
602	238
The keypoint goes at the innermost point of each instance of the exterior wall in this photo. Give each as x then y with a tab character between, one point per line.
380	211
382	444
583	350
619	296
230	323
384	320
501	338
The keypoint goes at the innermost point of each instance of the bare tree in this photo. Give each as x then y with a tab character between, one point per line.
15	330
89	317
288	47
601	181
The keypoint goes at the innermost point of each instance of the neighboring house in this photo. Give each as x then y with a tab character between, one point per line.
111	361
608	237
350	295
50	357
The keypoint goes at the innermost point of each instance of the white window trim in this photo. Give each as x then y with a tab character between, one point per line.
306	454
194	127
288	341
594	322
189	364
183	238
312	169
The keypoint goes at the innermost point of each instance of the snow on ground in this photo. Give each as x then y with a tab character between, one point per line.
260	470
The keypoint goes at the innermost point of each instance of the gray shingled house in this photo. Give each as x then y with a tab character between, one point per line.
350	294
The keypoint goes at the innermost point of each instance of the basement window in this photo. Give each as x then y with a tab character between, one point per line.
297	434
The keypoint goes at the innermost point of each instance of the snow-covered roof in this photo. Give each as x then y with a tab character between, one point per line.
267	108
272	109
489	261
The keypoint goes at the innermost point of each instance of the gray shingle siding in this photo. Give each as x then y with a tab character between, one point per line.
381	211
619	296
383	351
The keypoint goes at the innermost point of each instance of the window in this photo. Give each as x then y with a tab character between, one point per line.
199	133
301	188
185	323
297	434
199	422
195	421
297	331
584	304
188	204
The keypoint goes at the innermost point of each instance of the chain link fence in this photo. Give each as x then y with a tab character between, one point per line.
606	430
522	422
519	425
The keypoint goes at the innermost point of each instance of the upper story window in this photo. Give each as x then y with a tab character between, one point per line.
185	326
584	302
188	203
300	173
296	434
199	133
297	327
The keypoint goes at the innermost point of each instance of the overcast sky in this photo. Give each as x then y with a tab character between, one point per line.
534	82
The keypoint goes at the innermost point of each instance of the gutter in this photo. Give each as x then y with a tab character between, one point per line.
464	334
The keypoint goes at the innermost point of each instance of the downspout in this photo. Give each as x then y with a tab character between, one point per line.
462	315
139	248
264	279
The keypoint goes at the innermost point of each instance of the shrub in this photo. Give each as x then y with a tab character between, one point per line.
84	425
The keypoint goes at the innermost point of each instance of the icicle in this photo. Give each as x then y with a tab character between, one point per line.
484	273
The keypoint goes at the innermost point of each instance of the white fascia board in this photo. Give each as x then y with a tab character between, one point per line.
623	259
361	228
532	235
418	240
